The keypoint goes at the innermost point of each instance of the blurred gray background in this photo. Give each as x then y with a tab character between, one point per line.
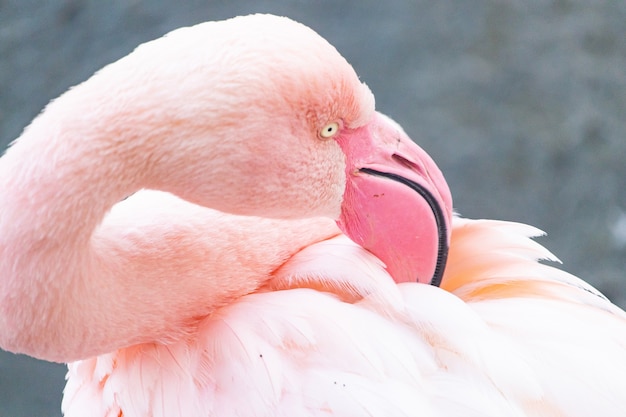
522	104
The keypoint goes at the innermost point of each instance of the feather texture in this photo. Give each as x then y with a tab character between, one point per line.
332	334
184	310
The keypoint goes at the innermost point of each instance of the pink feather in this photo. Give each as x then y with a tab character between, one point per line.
231	291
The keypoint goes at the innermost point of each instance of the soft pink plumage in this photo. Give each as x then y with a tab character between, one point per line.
188	311
332	334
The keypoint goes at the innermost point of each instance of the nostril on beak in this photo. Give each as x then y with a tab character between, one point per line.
409	164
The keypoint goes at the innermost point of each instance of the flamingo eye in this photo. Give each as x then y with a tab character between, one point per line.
329	130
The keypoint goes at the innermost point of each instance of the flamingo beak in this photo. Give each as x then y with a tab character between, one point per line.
396	203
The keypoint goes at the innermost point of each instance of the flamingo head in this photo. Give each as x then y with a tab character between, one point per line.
293	133
325	150
356	165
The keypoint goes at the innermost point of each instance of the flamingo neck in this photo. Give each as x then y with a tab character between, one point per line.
74	286
180	114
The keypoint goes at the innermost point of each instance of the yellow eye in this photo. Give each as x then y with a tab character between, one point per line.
329	130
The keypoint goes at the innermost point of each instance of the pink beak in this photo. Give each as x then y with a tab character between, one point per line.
397	203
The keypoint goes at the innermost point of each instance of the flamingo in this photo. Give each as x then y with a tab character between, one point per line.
220	224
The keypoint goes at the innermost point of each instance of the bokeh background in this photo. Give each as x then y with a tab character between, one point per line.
522	104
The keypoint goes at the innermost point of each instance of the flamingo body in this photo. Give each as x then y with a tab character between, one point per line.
172	227
333	334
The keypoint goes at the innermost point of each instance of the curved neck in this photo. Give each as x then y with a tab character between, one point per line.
180	114
73	286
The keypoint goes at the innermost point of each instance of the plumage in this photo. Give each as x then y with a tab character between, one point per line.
174	228
335	335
